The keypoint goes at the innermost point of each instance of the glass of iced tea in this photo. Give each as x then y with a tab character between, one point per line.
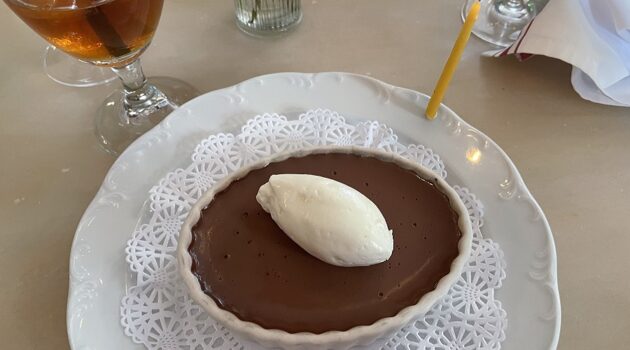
111	33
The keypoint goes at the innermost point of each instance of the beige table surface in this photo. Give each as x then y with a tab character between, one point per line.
572	154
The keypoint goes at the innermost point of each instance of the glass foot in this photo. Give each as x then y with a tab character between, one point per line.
115	129
500	21
69	71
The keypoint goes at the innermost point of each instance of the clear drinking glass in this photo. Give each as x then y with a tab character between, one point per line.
111	33
267	17
69	71
500	21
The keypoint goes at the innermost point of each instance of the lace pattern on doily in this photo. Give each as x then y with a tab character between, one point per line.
157	312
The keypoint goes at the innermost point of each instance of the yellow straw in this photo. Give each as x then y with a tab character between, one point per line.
453	60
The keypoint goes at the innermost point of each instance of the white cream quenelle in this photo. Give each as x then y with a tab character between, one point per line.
330	220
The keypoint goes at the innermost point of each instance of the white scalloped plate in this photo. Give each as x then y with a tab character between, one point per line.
98	271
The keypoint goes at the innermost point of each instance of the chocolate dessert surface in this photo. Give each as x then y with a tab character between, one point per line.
251	268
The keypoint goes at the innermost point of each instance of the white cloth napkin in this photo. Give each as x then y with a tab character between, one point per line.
591	35
621	16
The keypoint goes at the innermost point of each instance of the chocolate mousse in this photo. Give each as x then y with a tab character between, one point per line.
251	268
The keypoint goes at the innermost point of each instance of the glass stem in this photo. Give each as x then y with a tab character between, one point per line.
515	4
132	76
140	98
512	8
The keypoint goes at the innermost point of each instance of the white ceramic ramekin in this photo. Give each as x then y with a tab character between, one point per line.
360	335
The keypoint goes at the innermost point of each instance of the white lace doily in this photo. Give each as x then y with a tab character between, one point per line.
157	312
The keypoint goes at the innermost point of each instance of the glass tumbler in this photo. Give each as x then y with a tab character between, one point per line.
267	17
